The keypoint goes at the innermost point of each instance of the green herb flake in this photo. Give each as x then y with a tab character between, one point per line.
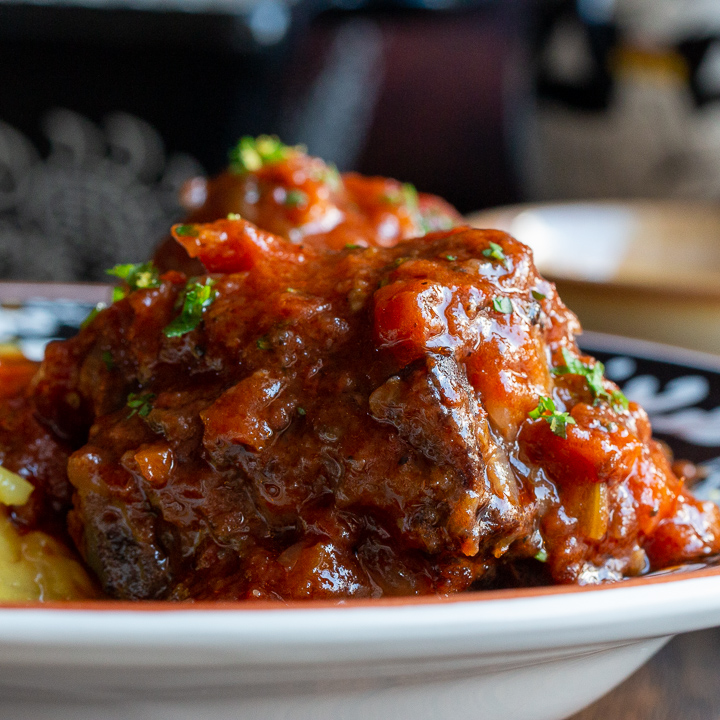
593	375
399	261
331	177
197	298
187	231
619	401
538	295
557	420
140	403
432	220
234	216
137	276
495	252
301	411
251	154
94	313
451	258
295	198
352	246
503	305
107	358
541	556
264	343
410	195
406	194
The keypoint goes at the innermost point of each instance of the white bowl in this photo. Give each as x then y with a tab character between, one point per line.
538	654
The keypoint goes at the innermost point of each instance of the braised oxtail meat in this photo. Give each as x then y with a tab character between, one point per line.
284	191
302	421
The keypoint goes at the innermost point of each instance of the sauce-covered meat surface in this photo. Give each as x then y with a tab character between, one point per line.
291	194
334	391
303	422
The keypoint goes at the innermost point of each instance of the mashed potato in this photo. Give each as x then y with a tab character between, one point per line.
35	566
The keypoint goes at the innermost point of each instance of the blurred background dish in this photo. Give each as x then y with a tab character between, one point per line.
647	269
106	108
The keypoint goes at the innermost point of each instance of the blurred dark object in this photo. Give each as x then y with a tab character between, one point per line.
105	111
198	79
573	55
438	99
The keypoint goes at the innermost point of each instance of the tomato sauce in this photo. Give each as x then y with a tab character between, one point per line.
326	411
304	200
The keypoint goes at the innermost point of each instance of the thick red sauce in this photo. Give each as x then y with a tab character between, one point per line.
306	201
348	421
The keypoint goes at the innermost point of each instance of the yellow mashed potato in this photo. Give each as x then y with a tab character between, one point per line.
35	566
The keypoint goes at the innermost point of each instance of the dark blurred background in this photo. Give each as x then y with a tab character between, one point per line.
106	107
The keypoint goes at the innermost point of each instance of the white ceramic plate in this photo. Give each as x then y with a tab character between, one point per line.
507	656
535	654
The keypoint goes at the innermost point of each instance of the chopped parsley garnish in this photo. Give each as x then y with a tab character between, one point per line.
186	230
107	358
432	220
251	154
264	343
541	556
405	195
451	258
137	276
140	403
593	375
503	305
328	174
94	313
301	411
538	295
234	216
410	195
618	400
295	198
332	177
557	420
495	252
197	298
352	246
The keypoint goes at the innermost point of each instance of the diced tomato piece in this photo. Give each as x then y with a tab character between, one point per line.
229	246
408	315
589	453
690	533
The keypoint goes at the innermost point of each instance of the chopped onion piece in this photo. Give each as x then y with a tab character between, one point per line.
595	512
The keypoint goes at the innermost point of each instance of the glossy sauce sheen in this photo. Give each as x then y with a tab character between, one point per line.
352	415
305	201
353	423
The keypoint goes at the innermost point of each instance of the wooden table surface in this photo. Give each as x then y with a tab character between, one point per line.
682	682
